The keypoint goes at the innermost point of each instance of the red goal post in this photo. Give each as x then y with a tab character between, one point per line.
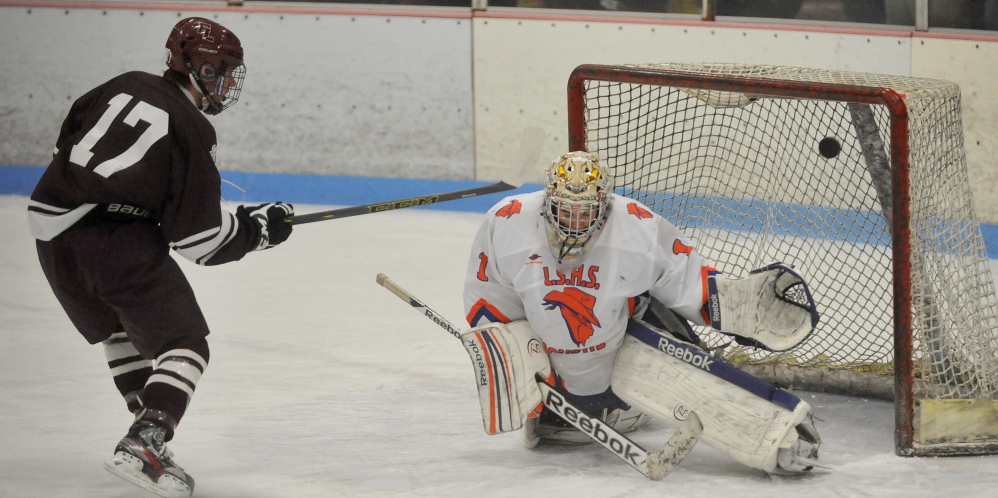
883	225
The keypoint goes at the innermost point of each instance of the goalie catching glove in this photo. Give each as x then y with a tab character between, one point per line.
772	308
270	222
507	358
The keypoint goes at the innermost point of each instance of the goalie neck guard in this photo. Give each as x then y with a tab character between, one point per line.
576	202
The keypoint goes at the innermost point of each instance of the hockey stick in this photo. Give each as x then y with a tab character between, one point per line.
655	465
531	144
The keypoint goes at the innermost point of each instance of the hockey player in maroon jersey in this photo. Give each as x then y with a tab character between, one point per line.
133	175
594	294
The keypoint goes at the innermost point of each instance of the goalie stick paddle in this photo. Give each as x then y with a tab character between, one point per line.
655	465
531	143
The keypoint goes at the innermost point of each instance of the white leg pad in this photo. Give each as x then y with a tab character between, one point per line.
748	419
507	358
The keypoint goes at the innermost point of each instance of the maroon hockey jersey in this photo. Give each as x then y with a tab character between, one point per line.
138	143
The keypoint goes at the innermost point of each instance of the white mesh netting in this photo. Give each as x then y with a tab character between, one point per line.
742	174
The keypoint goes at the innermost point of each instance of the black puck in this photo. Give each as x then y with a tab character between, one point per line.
829	147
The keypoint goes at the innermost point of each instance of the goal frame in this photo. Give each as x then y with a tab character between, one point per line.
904	409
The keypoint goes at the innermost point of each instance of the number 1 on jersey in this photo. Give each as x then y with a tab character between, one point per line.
481	267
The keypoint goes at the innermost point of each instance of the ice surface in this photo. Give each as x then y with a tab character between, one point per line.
323	384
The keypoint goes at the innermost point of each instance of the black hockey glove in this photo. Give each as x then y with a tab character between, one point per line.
270	220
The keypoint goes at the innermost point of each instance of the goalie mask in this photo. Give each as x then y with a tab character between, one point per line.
577	197
212	57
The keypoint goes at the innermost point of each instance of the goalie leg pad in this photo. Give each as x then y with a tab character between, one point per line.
507	358
744	417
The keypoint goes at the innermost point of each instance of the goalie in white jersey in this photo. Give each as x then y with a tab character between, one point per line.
607	288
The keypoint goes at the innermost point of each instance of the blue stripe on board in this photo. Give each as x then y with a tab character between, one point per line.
357	190
990	233
353	190
19	180
795	220
308	189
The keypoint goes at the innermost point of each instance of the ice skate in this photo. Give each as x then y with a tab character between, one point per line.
550	428
802	454
143	459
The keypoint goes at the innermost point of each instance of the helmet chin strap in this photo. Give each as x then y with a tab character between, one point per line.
565	249
202	102
570	251
569	255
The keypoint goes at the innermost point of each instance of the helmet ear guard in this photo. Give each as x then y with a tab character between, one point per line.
210	56
577	200
207	72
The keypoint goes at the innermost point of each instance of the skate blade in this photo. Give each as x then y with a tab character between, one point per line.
530	437
560	437
531	442
129	468
811	463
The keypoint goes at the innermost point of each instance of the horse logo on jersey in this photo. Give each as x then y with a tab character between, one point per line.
510	209
680	248
577	310
638	211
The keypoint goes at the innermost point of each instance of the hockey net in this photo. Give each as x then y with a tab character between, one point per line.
883	229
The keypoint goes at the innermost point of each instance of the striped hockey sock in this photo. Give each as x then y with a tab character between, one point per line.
171	385
129	370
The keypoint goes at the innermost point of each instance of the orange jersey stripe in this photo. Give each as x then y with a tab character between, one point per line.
484	308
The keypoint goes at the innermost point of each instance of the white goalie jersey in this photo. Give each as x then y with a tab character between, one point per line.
581	313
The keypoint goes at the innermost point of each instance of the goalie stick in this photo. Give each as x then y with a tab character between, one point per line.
654	465
531	143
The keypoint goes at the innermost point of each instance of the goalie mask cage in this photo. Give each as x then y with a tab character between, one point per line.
883	228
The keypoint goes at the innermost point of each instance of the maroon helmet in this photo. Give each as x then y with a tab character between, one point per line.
212	57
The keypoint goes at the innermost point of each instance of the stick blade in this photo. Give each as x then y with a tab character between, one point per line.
531	145
662	463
